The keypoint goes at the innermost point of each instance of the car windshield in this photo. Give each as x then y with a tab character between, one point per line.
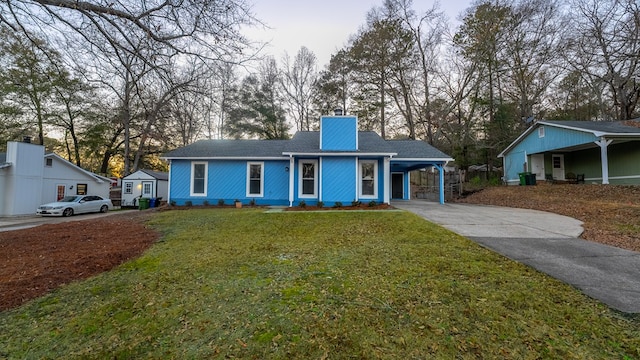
68	199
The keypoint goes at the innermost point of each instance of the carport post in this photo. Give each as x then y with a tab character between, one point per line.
441	172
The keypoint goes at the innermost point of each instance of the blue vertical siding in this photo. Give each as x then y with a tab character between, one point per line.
554	138
338	133
339	176
227	180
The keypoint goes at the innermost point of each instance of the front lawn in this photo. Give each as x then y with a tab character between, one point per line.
247	284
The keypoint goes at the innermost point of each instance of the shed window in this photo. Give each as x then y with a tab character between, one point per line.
49	162
128	188
198	178
255	174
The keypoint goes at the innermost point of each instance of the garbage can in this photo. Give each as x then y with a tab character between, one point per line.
523	178
144	203
152	202
531	179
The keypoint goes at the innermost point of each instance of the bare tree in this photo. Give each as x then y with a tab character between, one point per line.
207	29
297	80
605	44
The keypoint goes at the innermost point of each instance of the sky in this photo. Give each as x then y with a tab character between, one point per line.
323	26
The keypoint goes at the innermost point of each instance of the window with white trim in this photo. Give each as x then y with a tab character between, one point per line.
199	178
541	132
255	176
128	187
368	175
308	178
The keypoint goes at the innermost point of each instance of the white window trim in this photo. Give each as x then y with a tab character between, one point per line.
541	132
248	188
130	188
206	177
315	178
375	179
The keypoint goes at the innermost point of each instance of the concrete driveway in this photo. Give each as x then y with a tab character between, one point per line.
546	242
29	221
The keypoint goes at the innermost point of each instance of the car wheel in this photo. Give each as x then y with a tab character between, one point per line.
104	209
67	212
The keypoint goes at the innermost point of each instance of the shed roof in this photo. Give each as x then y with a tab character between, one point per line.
158	175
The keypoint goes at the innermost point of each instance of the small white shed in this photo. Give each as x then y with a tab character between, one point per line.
144	184
29	178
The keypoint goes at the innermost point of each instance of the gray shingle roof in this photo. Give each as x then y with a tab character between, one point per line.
309	142
303	142
159	175
609	127
229	148
415	149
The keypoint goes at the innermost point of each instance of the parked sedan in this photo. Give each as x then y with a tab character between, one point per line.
79	204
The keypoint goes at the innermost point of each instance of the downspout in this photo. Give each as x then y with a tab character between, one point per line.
604	158
319	180
291	179
168	187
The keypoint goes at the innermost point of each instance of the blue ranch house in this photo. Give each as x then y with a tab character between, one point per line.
336	164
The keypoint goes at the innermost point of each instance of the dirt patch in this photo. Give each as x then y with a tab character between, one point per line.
37	260
611	214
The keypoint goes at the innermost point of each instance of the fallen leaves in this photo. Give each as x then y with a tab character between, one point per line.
610	213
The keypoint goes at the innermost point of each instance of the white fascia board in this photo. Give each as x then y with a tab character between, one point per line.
251	158
522	136
340	154
594	132
446	160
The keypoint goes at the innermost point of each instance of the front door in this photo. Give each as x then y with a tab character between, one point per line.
558	166
397	186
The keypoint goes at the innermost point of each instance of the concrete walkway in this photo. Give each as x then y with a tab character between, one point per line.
546	242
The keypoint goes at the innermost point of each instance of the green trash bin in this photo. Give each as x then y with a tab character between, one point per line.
523	178
144	204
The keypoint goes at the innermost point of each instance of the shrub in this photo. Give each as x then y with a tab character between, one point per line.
220	202
356	203
320	204
372	203
205	203
338	204
188	203
252	202
302	204
172	203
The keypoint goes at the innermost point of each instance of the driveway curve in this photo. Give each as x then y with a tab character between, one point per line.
547	242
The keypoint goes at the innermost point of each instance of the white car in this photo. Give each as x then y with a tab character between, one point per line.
79	204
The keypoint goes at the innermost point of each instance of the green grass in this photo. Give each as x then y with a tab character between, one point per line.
244	284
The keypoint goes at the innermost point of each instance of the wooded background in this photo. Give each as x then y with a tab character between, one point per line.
112	85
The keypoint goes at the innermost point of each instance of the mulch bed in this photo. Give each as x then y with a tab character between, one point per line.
37	260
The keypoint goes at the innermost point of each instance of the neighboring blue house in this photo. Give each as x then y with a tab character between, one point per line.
598	151
336	164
